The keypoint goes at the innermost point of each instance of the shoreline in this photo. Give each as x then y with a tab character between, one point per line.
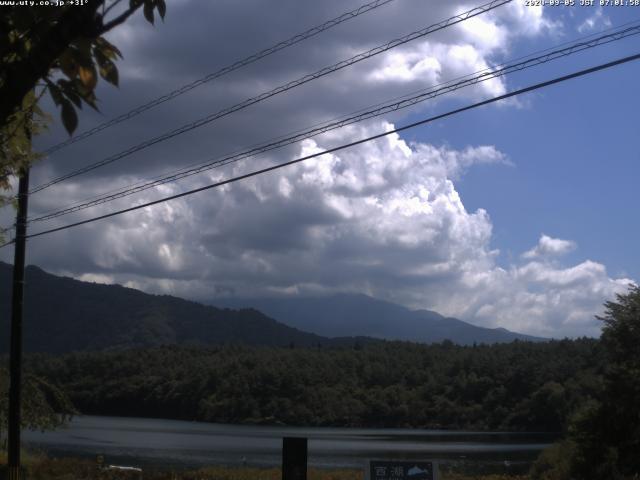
42	467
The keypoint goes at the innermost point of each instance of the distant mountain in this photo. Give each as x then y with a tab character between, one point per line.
64	315
352	315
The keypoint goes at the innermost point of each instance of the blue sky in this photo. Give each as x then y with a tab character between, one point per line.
518	215
575	152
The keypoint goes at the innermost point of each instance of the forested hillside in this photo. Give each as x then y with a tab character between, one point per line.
65	315
517	386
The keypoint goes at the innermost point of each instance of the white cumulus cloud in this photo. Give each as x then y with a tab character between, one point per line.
384	218
548	246
594	22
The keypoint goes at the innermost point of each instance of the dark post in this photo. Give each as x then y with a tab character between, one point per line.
294	458
15	362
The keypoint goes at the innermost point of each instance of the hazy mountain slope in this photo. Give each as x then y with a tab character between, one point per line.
63	314
349	315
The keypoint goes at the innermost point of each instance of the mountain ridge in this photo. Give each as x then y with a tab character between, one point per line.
346	314
62	314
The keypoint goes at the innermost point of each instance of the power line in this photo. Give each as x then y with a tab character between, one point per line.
210	163
530	88
223	71
422	96
283	88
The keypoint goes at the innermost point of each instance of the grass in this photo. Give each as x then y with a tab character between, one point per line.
41	467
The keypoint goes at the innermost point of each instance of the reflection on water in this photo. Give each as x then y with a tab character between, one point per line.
174	443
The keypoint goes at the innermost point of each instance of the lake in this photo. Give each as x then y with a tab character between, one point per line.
180	444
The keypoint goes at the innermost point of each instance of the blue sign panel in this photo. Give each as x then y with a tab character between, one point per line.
400	470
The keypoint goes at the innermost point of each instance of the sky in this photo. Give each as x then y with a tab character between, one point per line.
518	214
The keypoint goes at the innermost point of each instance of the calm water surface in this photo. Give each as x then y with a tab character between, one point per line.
139	441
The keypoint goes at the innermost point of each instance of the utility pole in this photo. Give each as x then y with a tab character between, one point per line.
294	458
15	360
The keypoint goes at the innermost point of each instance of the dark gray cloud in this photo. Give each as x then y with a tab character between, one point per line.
383	219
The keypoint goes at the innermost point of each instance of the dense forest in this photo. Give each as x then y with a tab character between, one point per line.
516	386
587	389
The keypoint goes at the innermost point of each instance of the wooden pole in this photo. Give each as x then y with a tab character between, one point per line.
15	352
294	458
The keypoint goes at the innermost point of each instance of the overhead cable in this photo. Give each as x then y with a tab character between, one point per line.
219	73
498	98
367	114
283	88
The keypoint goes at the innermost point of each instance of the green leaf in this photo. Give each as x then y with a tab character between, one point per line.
38	111
90	99
85	93
88	76
68	64
22	19
148	11
81	50
69	91
69	116
162	8
56	94
108	49
101	58
109	72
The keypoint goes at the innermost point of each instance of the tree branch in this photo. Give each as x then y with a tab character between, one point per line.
118	20
110	7
24	119
22	75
